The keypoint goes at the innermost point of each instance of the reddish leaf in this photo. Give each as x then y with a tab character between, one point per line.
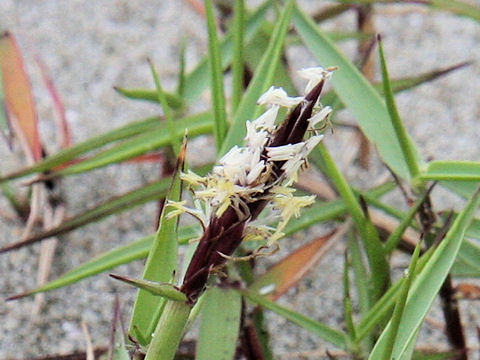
467	291
18	97
289	271
64	137
198	6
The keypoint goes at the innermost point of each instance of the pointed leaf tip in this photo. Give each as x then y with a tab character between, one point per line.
18	97
165	290
18	296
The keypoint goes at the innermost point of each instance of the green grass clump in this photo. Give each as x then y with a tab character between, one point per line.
383	316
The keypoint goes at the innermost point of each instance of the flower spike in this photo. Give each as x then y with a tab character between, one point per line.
253	177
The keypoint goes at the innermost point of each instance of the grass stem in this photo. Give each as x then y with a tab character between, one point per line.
169	331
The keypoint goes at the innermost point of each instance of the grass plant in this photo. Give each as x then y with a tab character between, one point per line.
244	201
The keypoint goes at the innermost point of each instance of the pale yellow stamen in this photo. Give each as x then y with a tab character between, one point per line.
192	178
179	207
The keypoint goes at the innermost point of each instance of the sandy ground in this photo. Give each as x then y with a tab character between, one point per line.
90	46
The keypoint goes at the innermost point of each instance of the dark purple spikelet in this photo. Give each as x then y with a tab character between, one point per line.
272	156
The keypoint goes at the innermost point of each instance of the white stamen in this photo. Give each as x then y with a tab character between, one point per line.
267	119
293	164
218	170
291	167
234	164
310	144
255	139
278	96
255	158
230	156
255	172
284	152
314	75
319	117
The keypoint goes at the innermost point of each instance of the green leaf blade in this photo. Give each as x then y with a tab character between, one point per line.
238	57
121	255
356	93
382	307
174	101
406	146
196	124
197	80
216	77
220	325
375	253
400	304
150	192
174	142
337	338
64	156
452	171
428	283
394	239
165	290
161	262
139	248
